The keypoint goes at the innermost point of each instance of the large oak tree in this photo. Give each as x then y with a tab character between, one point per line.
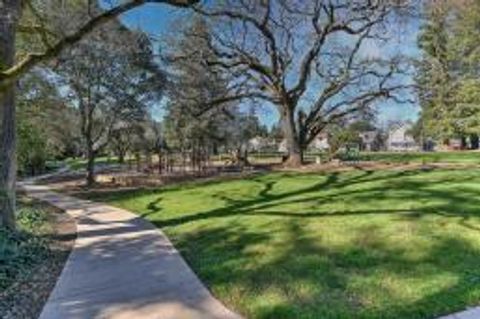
307	58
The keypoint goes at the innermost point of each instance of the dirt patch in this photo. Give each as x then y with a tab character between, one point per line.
26	298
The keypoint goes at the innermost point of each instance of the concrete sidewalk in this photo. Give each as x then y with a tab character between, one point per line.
472	313
123	267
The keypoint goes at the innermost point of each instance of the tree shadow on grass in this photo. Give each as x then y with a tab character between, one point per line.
304	278
327	272
153	207
334	188
308	279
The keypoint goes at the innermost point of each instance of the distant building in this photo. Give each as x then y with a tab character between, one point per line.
282	146
455	144
259	143
320	143
369	141
400	140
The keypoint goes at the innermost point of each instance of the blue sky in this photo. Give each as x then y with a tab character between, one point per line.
157	19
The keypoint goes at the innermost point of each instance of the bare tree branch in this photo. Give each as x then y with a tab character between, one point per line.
305	58
32	59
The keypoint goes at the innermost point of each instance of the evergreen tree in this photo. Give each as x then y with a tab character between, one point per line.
191	126
448	75
433	77
466	67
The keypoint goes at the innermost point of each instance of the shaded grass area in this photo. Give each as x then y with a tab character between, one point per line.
359	244
465	157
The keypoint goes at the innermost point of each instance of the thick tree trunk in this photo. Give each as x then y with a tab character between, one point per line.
7	158
474	141
241	157
137	161
295	151
129	163
9	13
121	156
148	160
464	142
87	131
90	165
160	161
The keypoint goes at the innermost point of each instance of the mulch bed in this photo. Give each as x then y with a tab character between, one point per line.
26	298
74	184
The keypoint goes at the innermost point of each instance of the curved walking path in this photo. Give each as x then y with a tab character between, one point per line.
122	267
472	313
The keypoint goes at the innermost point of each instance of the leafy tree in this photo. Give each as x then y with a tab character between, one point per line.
32	148
122	138
14	64
148	140
112	79
39	99
362	125
188	129
466	67
340	137
41	106
449	71
434	76
244	127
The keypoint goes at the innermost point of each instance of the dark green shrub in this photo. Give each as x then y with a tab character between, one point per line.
22	250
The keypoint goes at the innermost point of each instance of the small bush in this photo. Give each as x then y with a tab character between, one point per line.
31	220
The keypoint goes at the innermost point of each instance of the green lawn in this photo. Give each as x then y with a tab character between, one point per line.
359	244
466	157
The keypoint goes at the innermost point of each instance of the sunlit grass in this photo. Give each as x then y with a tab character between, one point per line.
465	157
361	244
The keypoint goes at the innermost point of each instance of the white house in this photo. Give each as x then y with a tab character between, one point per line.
320	143
259	143
282	147
400	140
